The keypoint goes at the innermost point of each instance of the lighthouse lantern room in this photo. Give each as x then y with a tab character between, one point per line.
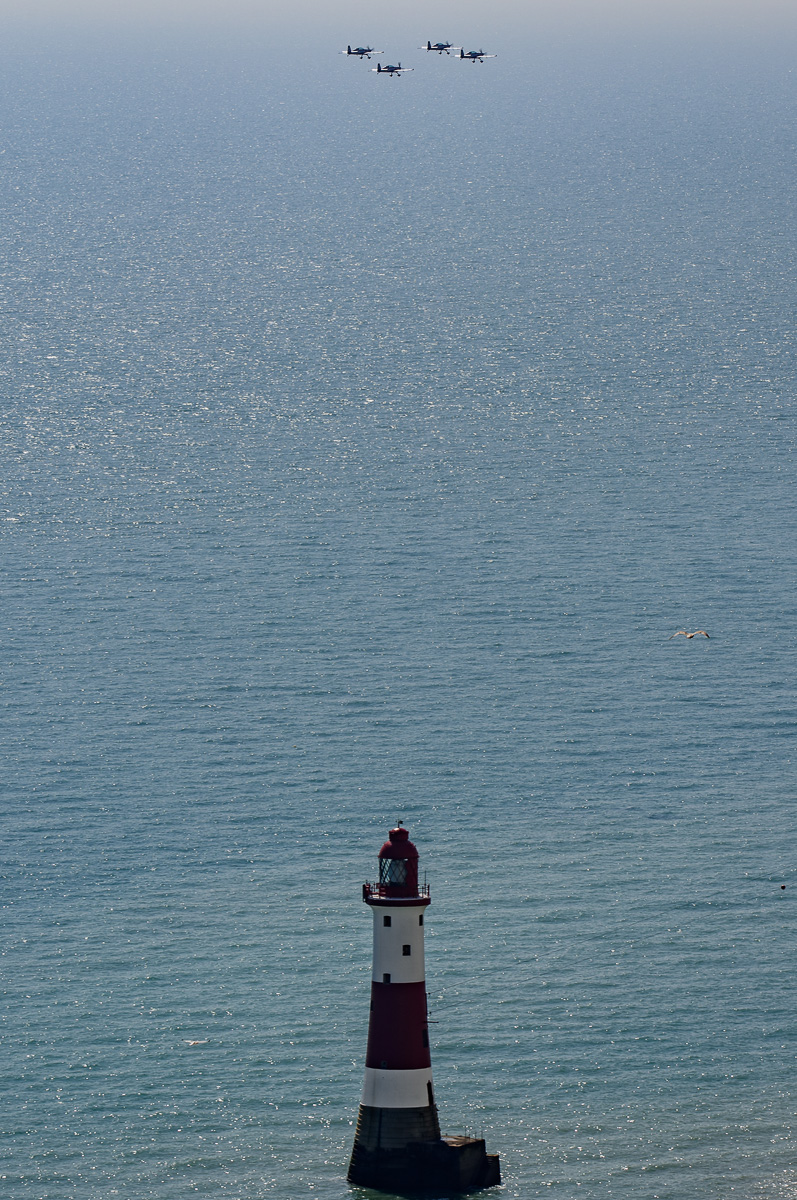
397	1144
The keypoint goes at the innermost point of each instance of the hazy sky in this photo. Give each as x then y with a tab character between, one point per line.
437	17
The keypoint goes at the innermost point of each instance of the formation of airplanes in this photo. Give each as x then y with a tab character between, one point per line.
440	48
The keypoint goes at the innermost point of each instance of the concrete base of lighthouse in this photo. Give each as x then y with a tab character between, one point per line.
405	1154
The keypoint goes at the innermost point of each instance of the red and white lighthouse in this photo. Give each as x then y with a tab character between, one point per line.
397	1144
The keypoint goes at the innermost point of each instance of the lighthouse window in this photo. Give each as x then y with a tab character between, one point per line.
406	951
386	977
420	919
387	921
426	1038
392	870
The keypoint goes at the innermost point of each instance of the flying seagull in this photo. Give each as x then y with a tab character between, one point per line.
687	635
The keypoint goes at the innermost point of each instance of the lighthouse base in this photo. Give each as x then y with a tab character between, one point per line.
450	1165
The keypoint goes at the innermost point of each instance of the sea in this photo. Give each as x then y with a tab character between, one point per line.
364	443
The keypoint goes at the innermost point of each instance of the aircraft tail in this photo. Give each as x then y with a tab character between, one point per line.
428	45
462	53
348	49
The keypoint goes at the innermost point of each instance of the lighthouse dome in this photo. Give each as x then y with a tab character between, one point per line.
398	864
399	845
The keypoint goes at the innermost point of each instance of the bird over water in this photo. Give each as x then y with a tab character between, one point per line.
702	632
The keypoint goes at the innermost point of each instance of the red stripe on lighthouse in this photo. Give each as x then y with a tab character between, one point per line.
398	1037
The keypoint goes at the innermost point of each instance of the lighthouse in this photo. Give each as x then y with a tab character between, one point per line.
397	1144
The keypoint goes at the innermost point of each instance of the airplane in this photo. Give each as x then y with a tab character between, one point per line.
361	52
476	55
390	70
440	47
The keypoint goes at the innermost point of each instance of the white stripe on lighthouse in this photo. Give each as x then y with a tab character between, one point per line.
391	942
397	1089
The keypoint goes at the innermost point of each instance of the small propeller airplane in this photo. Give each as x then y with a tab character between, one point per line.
361	52
440	47
475	55
390	70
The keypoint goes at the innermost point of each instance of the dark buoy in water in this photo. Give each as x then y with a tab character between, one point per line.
397	1144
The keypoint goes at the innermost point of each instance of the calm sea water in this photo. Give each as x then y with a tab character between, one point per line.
363	443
